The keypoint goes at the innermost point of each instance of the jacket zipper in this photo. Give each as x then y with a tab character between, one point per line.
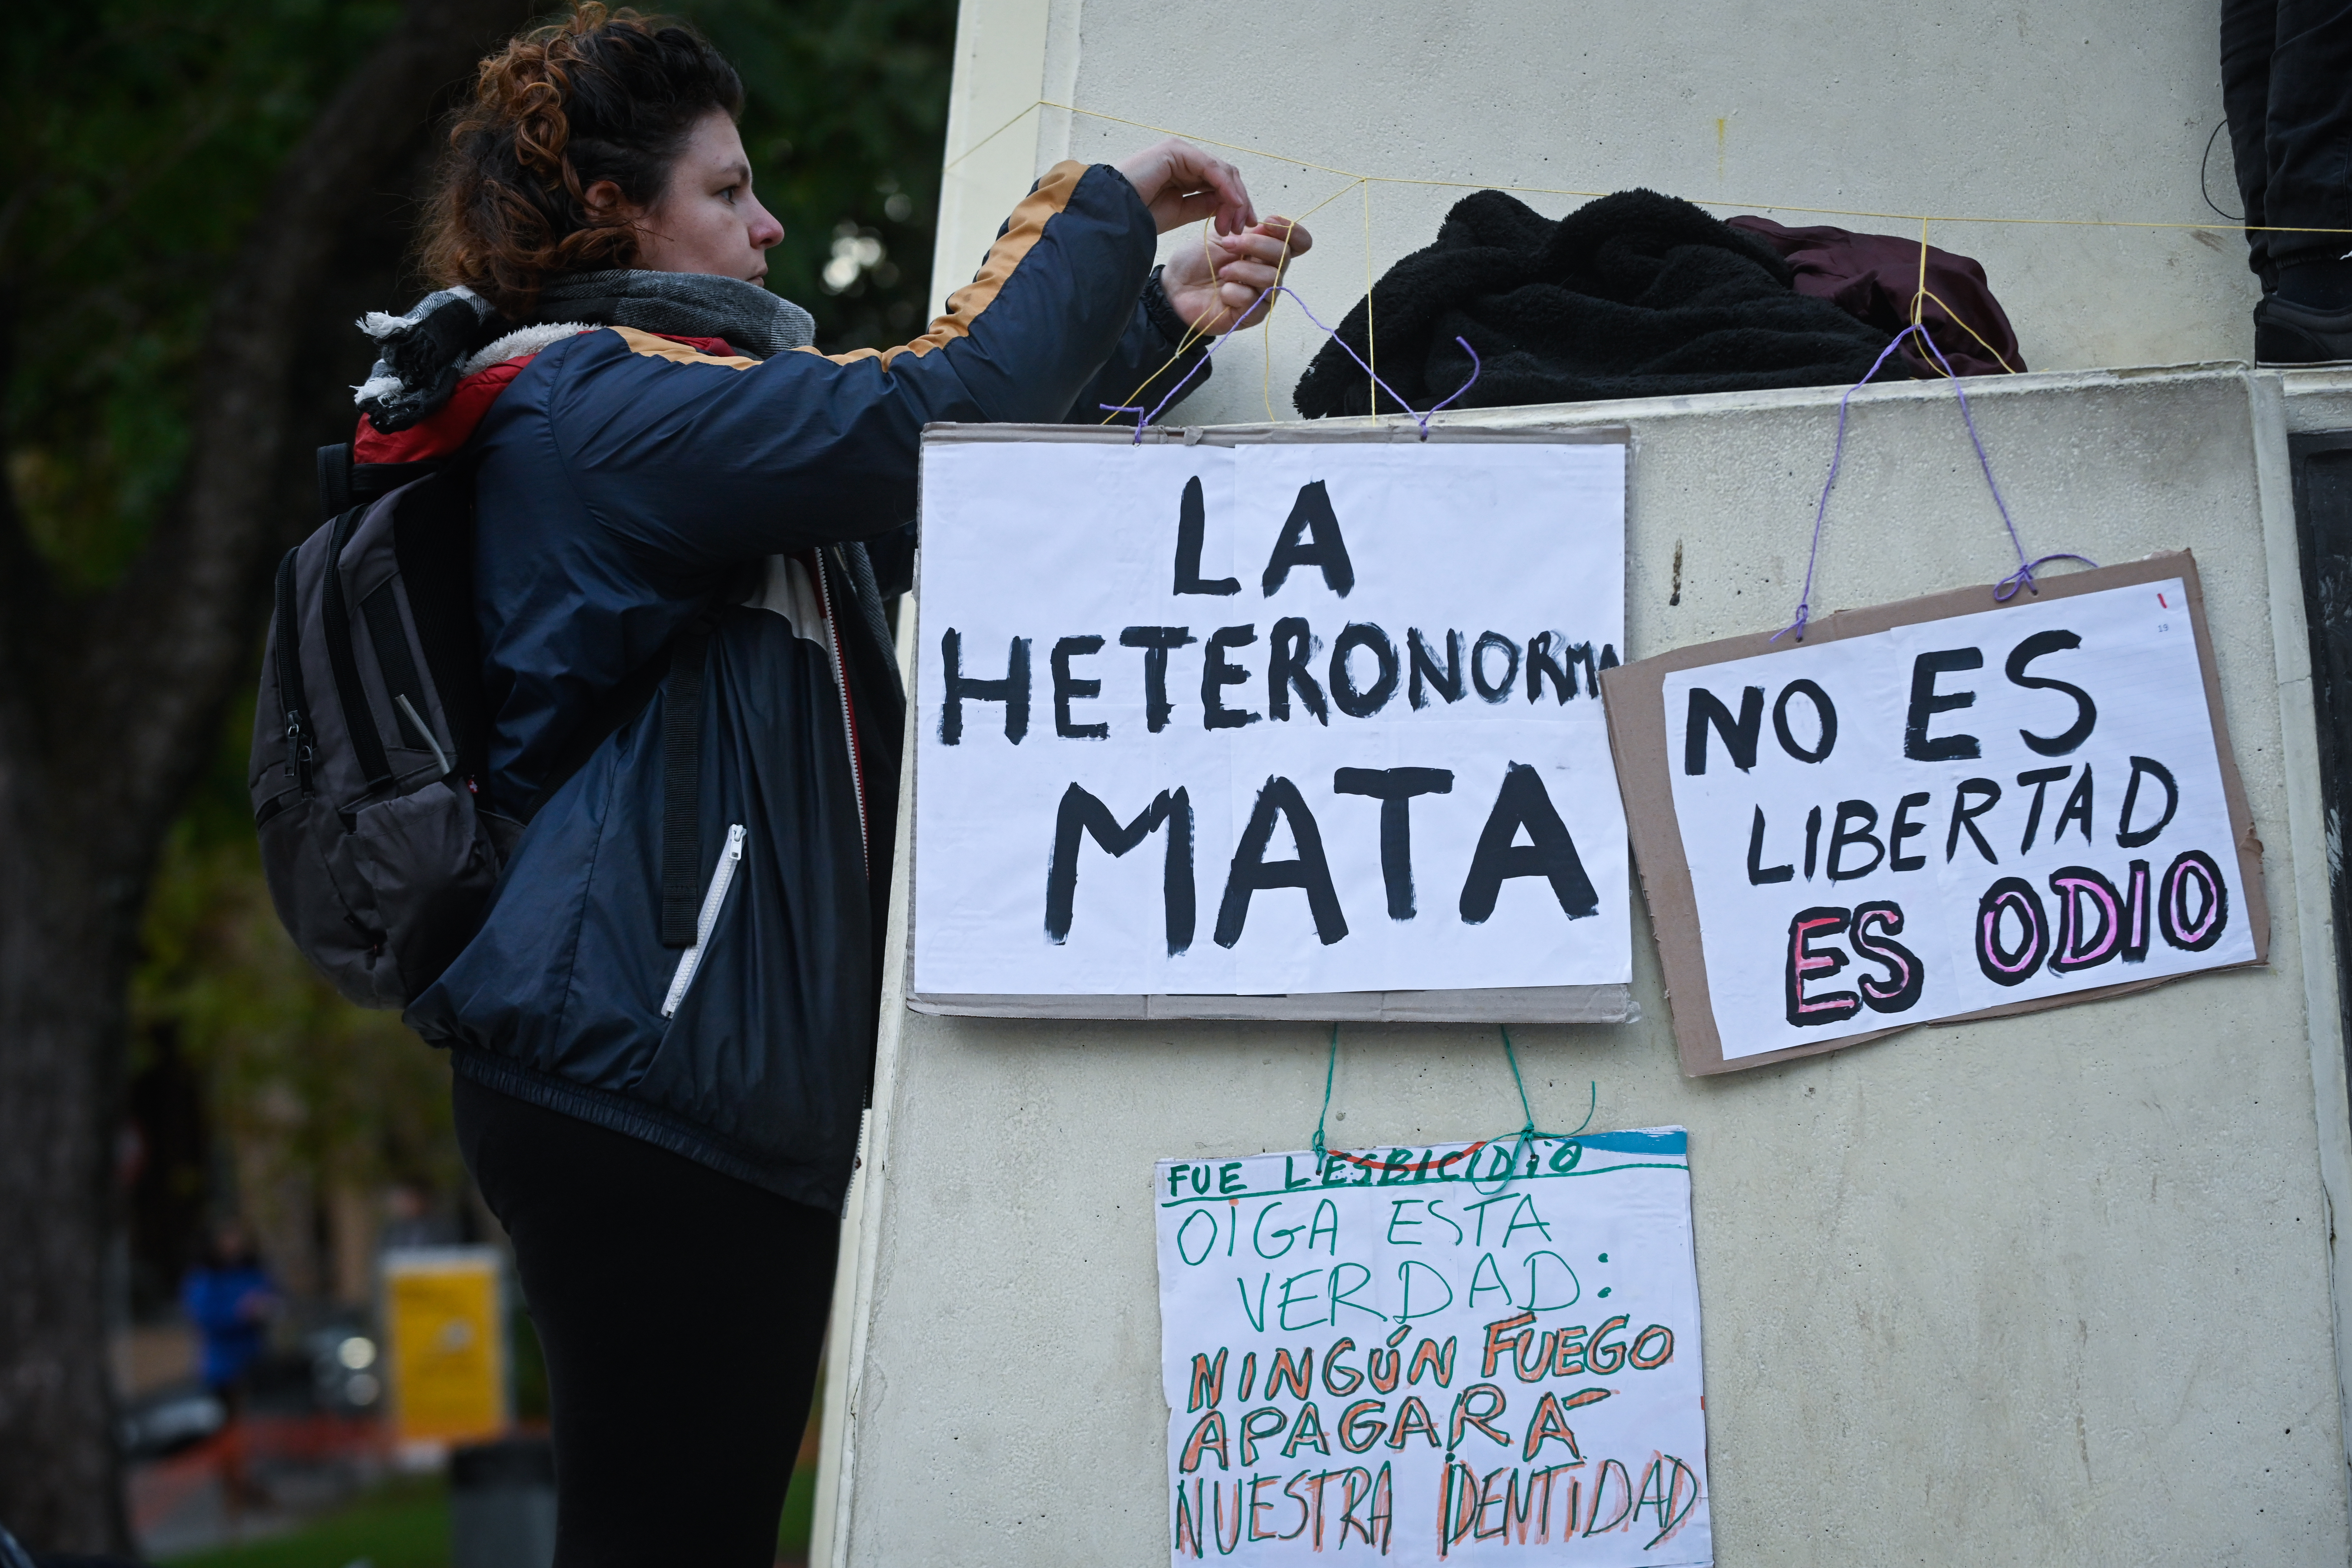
691	959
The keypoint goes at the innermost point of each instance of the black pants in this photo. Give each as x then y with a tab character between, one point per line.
2286	89
681	1312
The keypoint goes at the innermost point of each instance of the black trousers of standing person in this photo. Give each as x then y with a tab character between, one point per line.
2286	90
681	1312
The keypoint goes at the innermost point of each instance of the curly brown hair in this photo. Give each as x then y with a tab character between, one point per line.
597	96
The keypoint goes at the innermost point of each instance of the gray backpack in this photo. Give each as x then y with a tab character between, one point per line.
371	737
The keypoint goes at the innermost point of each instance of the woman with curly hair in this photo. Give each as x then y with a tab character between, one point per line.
659	1094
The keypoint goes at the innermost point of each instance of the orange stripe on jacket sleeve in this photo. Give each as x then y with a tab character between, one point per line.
655	346
1020	232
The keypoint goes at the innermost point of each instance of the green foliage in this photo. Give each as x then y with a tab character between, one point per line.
307	1087
143	138
799	1518
846	117
404	1525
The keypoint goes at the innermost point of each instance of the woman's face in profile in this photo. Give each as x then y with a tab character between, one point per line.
708	220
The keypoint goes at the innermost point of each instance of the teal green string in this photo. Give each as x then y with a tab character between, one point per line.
1510	1053
1527	1132
1526	1129
1329	1067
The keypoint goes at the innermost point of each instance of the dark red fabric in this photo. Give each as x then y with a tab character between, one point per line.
444	429
1874	276
719	347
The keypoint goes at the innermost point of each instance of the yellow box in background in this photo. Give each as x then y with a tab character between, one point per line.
446	1343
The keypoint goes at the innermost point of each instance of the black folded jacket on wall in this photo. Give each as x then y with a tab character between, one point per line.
1633	295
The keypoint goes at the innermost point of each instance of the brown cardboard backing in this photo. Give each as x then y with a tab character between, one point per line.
1638	734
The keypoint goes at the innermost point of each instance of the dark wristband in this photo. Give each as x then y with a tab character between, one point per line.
1162	314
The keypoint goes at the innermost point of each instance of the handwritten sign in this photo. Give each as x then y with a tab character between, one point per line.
1474	1351
1298	717
1941	814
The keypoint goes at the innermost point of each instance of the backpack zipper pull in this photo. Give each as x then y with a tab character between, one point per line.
298	754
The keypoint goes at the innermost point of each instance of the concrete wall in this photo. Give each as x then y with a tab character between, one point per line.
2052	1290
2079	109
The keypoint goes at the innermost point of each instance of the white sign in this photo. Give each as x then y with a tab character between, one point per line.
1954	815
1271	718
1483	1352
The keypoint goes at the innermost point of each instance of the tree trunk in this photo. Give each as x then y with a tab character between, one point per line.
108	708
63	972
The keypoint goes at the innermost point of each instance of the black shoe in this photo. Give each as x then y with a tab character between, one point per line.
2288	334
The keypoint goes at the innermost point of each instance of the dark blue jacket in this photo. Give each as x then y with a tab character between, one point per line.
626	481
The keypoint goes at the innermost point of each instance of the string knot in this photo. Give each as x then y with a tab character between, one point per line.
2024	576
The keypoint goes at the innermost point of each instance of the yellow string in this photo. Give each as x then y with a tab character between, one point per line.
1265	322
1194	333
1353	175
1919	301
1971	332
1372	348
1919	305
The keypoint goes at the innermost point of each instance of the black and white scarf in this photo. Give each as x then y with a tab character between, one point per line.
452	333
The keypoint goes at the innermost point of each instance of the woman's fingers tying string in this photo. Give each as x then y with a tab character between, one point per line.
1180	184
1249	264
1212	282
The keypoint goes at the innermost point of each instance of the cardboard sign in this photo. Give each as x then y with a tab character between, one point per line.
1306	717
1940	810
1482	1352
444	1344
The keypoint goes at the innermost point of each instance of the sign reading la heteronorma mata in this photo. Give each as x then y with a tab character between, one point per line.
1313	716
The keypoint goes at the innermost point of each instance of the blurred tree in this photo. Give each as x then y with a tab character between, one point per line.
200	196
178	178
320	1105
846	109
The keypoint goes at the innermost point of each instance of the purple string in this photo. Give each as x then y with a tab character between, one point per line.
1421	419
2006	589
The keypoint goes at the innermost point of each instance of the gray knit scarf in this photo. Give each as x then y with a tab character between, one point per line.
452	333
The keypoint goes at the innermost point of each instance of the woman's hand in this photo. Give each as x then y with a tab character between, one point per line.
1222	285
1183	185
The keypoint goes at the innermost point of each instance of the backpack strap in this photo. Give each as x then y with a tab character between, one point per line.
359	717
335	478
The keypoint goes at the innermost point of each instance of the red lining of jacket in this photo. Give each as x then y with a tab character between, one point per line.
452	424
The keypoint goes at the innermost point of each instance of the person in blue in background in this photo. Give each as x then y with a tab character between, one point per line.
230	1299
